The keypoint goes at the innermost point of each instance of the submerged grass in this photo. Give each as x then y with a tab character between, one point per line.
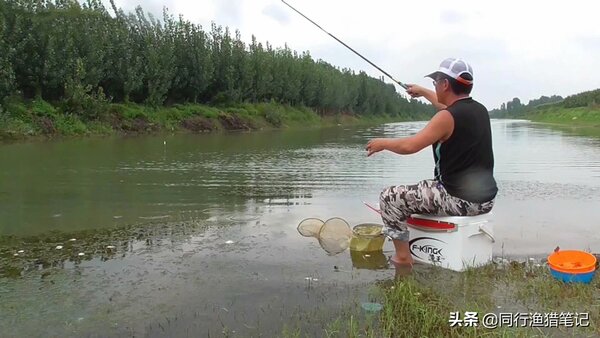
420	305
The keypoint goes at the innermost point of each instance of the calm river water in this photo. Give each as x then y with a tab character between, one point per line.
196	234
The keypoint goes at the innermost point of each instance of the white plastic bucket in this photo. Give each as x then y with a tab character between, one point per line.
452	242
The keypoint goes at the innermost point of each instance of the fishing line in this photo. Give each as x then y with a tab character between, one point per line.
345	45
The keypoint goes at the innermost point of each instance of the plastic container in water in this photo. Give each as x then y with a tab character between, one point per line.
367	237
371	260
572	266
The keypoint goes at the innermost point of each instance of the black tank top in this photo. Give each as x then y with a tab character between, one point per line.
464	163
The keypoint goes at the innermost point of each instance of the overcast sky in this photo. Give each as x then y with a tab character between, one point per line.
524	49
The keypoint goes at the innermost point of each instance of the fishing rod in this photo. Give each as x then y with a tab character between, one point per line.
345	45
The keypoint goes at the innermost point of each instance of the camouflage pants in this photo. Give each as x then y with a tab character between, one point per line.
429	197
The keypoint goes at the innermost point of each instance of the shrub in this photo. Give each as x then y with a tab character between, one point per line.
70	124
274	117
82	100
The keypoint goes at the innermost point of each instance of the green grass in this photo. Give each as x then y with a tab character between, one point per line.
40	107
100	128
23	119
419	305
588	116
70	125
582	121
14	128
130	110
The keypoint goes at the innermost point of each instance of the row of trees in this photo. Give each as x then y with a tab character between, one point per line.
515	108
585	99
58	49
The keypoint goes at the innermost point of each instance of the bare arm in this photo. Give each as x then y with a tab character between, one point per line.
439	128
417	91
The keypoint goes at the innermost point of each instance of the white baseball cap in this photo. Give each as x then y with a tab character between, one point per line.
457	69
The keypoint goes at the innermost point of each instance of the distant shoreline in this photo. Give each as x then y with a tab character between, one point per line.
574	117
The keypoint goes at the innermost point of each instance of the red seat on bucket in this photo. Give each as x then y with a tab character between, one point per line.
430	224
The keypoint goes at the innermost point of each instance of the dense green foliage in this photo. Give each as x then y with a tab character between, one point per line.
81	57
586	99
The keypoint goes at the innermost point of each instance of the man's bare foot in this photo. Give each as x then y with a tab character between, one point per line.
402	260
402	255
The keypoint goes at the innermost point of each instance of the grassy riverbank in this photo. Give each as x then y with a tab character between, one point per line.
419	305
580	121
21	120
581	116
578	110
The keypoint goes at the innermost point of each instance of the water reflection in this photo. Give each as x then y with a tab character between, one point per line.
208	222
372	260
132	276
65	186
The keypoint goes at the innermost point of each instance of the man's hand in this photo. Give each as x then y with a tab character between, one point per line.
376	145
415	90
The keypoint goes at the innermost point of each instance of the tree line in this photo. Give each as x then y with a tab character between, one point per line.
585	99
64	51
515	108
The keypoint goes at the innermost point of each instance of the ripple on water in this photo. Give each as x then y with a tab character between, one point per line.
244	218
519	190
130	276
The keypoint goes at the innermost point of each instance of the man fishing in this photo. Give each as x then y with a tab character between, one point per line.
461	139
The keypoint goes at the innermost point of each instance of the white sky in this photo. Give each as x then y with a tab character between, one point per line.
523	49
